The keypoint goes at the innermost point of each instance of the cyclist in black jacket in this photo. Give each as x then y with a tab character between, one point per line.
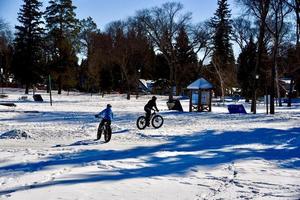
148	107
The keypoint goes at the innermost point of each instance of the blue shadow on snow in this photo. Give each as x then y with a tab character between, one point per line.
199	149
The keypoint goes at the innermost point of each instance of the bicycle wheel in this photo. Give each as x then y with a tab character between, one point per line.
99	132
157	121
107	134
141	122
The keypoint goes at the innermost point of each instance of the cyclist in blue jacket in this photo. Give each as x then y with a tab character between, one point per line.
106	114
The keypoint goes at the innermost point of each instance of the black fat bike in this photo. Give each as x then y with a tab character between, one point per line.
156	121
106	130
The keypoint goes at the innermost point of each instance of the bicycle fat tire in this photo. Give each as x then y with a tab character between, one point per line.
107	134
157	121
99	132
141	122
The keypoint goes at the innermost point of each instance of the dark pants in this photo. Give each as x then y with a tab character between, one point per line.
148	113
105	120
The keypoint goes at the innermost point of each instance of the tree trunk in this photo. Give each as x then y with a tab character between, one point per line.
172	83
253	102
59	84
128	95
262	30
220	79
272	92
277	85
125	74
222	91
290	93
275	70
26	88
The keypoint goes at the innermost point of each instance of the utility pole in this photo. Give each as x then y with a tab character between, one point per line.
272	93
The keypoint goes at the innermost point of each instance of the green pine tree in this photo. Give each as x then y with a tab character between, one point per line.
186	66
28	56
246	69
63	38
222	56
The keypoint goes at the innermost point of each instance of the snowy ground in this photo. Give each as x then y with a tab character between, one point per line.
49	153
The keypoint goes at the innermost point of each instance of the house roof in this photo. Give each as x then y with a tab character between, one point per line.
200	83
146	83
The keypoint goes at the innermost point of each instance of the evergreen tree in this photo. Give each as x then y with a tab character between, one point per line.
88	31
186	68
63	39
28	56
222	56
221	23
161	68
88	28
246	69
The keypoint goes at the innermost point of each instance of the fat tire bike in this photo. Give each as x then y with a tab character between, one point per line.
156	121
105	129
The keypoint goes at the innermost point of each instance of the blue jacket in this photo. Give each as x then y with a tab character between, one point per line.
107	114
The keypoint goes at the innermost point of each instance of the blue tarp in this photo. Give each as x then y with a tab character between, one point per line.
236	108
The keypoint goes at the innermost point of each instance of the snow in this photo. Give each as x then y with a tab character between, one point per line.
49	152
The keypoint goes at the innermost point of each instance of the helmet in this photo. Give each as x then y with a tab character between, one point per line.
108	105
154	98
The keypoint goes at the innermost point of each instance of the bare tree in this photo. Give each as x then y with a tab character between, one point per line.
217	63
259	9
99	56
242	31
120	50
277	27
202	42
162	24
5	48
5	31
295	5
129	51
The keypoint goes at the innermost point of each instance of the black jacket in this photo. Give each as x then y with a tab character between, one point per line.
151	104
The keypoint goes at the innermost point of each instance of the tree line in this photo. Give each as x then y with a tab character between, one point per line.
160	44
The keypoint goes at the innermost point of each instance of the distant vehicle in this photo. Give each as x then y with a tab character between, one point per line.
41	86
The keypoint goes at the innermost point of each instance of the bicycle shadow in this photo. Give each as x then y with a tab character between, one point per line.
91	141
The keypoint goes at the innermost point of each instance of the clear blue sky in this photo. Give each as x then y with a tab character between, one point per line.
105	11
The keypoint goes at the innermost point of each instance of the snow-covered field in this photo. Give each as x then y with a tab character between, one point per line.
49	152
